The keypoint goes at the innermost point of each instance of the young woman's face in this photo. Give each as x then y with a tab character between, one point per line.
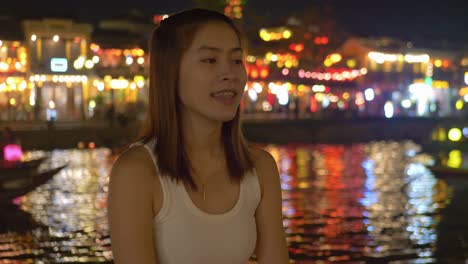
212	76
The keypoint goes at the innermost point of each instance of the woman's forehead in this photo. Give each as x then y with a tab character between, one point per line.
216	36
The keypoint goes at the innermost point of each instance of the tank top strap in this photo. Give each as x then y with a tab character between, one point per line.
253	190
167	185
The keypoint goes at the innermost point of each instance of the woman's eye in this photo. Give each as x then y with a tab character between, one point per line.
210	60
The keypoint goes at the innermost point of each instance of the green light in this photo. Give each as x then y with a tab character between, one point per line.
428	81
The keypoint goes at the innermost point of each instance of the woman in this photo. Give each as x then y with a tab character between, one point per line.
191	190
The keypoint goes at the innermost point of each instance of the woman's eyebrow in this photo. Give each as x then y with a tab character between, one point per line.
215	49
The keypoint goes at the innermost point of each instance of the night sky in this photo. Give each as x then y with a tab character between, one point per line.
426	21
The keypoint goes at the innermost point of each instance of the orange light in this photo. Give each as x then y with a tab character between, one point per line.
321	40
313	104
254	74
446	64
299	47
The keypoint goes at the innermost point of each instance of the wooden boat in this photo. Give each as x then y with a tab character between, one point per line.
448	173
19	187
18	169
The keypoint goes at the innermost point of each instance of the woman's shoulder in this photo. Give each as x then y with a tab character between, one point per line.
260	155
264	163
135	163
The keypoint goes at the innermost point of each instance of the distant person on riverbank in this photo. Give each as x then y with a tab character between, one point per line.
191	189
110	113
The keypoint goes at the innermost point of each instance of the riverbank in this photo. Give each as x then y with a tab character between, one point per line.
43	135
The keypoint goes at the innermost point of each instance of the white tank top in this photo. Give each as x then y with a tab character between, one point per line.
185	234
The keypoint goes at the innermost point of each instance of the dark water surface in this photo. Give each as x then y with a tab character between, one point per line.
373	202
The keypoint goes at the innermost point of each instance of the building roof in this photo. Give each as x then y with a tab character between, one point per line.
118	39
10	29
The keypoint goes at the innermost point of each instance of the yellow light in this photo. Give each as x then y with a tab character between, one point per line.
455	134
351	63
438	63
327	63
4	66
12	101
51	104
56	38
441	134
287	34
333	98
265	35
92	104
411	58
360	101
455	159
118	84
129	60
459	105
33	37
18	65
251	58
139	78
274	57
377	57
318	88
23	85
346	95
319	96
89	64
141	60
463	91
79	63
335	57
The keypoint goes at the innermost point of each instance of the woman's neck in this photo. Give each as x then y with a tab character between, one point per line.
201	137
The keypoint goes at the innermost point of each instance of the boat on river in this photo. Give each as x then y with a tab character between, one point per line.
18	178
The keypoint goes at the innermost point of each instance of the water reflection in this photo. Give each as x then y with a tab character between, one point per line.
71	209
364	202
353	203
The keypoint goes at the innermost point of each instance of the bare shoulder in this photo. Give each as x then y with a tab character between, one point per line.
264	163
260	155
130	211
135	159
133	169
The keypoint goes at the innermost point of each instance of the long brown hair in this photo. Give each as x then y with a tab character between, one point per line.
168	43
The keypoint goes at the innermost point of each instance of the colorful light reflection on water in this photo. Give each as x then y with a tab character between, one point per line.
355	203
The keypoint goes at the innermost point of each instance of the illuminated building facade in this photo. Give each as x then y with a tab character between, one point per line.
60	90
